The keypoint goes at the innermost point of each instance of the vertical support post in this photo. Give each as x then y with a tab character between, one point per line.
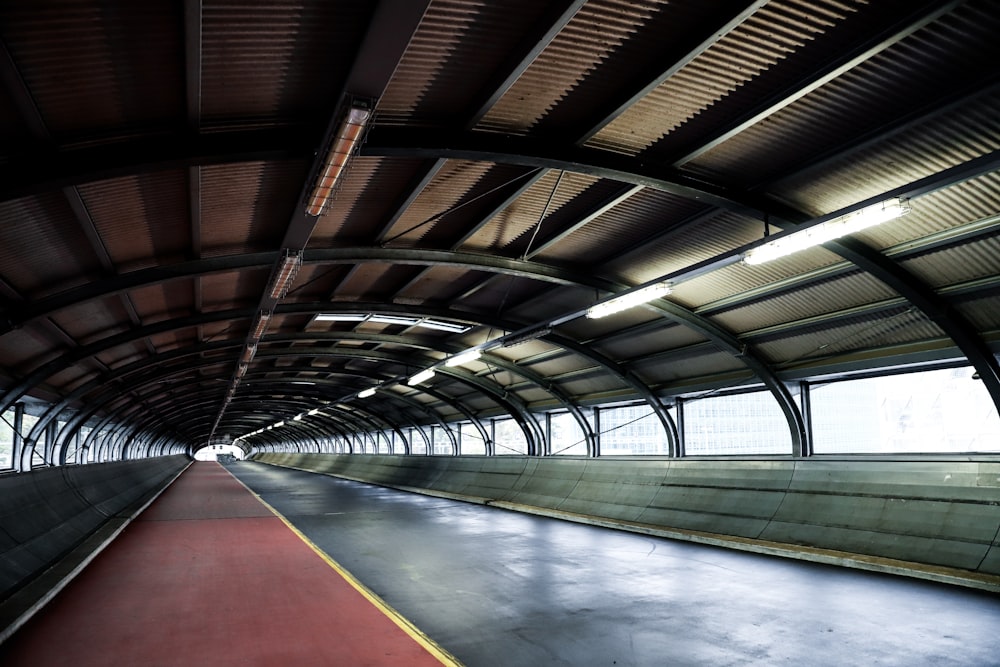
805	400
18	442
596	448
681	450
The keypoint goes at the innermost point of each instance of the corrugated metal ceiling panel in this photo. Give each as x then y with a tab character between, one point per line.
247	206
142	220
452	185
828	296
515	224
91	68
278	60
459	45
42	232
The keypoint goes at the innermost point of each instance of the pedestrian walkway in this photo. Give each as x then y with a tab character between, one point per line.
209	575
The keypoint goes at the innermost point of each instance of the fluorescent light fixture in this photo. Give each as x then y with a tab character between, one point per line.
313	412
443	326
463	358
828	231
336	158
393	319
289	268
248	353
298	418
365	393
628	300
258	330
341	317
422	376
527	336
279	424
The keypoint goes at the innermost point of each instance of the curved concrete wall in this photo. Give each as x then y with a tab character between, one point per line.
943	513
46	513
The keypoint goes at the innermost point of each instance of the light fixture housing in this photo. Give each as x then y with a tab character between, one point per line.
341	317
628	300
343	145
827	231
366	393
422	376
526	336
452	327
248	353
394	319
261	326
464	357
290	264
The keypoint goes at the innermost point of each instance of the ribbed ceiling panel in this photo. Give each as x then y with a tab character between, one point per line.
357	211
909	75
38	232
449	63
92	68
247	206
812	300
516	224
452	185
274	61
771	35
142	220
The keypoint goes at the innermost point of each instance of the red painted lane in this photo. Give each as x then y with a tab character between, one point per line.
209	576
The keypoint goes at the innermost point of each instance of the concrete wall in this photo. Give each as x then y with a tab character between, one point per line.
938	514
46	513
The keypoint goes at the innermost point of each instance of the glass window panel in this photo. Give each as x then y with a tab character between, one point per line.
417	443
566	436
938	411
472	440
442	443
509	438
632	430
739	424
7	440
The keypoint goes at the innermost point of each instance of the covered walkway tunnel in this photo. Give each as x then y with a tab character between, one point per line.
568	332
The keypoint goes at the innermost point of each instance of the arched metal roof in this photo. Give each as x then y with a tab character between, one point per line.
520	162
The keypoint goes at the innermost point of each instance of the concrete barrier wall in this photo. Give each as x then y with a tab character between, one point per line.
45	513
943	513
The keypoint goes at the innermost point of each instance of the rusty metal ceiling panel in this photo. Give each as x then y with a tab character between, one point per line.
162	301
93	320
900	326
247	206
222	291
454	183
142	220
682	245
453	58
958	264
815	299
41	232
90	68
669	370
772	34
439	284
932	65
358	210
277	61
739	278
586	44
542	205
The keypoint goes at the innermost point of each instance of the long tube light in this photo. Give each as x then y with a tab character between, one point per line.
262	320
422	376
336	158
629	300
366	393
248	353
286	274
463	358
828	231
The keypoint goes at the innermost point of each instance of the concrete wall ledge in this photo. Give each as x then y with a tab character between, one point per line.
930	519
